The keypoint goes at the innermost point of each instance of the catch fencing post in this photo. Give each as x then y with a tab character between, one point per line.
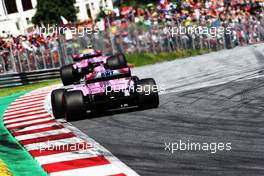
224	41
35	59
13	60
3	61
19	62
43	59
28	62
51	57
59	59
209	41
193	40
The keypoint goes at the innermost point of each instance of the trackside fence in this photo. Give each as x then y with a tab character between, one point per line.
23	65
24	78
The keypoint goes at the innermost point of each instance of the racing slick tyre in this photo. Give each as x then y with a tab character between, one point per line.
147	94
116	62
68	75
135	79
74	105
57	103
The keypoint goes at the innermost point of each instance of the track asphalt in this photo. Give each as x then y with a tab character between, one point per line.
214	98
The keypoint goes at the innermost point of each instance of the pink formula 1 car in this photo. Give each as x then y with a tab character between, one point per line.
73	73
107	84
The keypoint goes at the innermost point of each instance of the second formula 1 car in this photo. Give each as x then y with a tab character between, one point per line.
73	73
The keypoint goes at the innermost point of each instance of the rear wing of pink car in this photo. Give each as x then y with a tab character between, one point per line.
79	57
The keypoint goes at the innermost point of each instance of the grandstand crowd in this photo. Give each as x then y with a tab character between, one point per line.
142	29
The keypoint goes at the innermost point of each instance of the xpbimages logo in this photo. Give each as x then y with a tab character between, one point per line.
212	147
80	31
198	30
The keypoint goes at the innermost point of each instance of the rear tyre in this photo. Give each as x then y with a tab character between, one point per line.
74	105
57	103
133	92
117	62
68	75
147	94
135	79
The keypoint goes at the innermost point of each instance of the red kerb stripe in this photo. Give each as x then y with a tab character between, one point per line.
21	121
18	102
75	164
61	149
15	109
26	114
32	124
118	175
55	127
30	98
47	138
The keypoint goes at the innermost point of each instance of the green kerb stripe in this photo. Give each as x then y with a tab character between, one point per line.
17	159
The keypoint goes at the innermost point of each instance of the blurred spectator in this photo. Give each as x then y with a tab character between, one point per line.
135	29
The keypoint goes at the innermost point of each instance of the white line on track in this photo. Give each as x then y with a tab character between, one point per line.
67	156
103	170
107	154
39	145
32	94
33	100
35	127
14	113
28	123
25	118
42	134
26	104
30	98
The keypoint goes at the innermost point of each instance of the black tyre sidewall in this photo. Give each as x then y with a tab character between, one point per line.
68	75
74	105
57	103
135	79
122	60
144	100
117	62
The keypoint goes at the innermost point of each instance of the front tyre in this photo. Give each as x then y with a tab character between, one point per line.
68	76
57	103
74	105
147	94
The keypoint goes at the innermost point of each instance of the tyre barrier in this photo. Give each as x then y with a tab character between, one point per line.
24	78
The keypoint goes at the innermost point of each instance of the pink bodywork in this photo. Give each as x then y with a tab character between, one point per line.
100	87
84	63
121	84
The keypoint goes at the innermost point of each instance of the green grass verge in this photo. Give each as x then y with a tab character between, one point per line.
17	89
139	59
17	159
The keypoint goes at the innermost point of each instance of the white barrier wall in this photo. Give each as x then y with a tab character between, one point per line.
8	26
21	20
